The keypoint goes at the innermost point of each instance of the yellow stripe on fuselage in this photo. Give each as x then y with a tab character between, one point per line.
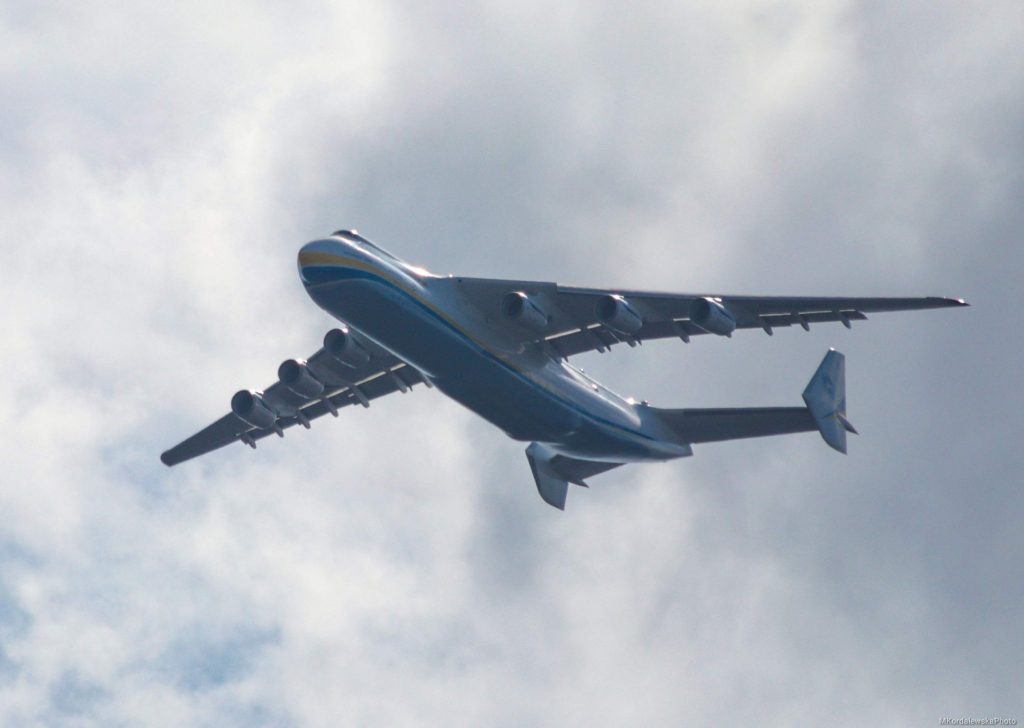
317	257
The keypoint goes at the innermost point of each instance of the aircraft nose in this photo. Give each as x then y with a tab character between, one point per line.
304	259
317	254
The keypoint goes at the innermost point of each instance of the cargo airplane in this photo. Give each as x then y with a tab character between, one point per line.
502	349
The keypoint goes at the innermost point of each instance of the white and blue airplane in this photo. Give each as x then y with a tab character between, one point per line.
502	348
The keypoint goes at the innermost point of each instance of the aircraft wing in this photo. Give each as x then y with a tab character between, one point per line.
594	319
305	391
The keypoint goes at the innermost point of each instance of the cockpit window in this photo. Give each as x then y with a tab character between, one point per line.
354	237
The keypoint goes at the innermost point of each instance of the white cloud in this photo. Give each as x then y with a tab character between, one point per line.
160	167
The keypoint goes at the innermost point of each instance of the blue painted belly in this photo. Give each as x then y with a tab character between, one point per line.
458	366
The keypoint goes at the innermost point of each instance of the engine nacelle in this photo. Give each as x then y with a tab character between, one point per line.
295	375
342	345
250	408
518	307
616	313
712	316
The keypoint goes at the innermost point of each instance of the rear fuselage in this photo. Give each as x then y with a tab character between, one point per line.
422	320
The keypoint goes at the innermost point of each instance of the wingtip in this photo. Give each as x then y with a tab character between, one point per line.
166	459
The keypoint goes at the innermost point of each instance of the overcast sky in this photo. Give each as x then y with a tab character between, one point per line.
160	165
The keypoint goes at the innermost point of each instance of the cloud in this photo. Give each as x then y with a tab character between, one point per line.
160	167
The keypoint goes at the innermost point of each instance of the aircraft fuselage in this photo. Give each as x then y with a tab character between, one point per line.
530	395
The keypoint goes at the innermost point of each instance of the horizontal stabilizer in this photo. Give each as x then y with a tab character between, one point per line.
825	397
553	472
715	425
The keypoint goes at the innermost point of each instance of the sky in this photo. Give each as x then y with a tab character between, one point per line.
160	165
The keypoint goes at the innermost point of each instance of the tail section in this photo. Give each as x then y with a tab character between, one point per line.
825	398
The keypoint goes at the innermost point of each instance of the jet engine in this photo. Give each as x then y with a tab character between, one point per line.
249	407
616	313
342	345
517	306
712	316
295	376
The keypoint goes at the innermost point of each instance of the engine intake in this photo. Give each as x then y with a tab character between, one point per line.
616	313
295	376
249	407
342	345
712	316
518	307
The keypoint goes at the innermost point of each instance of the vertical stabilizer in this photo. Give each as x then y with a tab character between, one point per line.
825	397
554	472
553	488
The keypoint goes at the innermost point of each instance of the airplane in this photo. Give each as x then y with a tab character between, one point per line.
501	348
